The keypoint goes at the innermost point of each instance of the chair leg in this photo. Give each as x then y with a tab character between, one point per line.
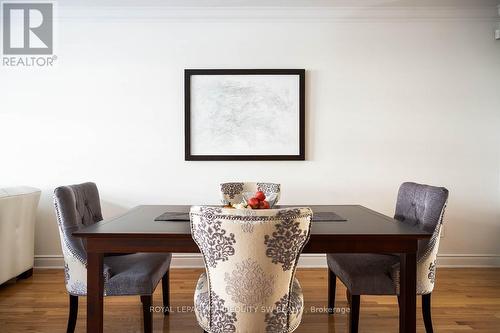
426	312
354	313
147	314
332	284
165	287
73	313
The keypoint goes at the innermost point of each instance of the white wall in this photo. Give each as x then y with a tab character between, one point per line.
392	95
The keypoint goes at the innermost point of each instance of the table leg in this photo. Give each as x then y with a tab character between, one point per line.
408	294
95	290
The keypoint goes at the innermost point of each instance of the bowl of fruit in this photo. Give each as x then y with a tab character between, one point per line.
259	200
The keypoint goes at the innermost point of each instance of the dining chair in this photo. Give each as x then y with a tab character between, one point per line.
78	206
250	260
378	274
232	192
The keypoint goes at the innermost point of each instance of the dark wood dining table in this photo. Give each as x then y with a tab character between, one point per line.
363	231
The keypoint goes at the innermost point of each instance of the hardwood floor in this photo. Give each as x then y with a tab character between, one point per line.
464	300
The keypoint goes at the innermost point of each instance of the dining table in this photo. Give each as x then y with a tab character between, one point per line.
361	230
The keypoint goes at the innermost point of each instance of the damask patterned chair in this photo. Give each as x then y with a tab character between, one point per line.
250	259
378	274
233	192
78	206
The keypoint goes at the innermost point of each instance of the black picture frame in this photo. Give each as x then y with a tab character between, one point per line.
187	114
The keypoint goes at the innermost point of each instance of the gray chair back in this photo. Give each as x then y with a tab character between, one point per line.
422	206
77	206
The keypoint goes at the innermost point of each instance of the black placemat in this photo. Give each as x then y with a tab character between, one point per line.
173	216
327	217
317	217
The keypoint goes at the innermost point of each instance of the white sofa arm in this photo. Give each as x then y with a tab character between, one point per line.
17	230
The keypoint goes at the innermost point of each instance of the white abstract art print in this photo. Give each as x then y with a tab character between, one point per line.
245	115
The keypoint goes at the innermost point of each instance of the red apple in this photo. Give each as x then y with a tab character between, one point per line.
264	205
253	202
260	195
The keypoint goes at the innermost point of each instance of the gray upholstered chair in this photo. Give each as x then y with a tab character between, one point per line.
378	274
233	192
131	274
250	259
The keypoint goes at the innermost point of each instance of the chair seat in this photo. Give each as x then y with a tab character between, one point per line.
201	303
135	274
364	274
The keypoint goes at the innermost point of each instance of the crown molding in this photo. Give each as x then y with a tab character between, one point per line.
229	14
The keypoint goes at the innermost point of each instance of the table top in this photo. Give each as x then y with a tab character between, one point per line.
139	221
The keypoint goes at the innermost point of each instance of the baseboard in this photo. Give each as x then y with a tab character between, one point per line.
306	260
180	260
468	260
188	260
49	261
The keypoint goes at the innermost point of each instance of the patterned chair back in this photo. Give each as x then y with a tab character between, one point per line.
233	192
76	206
422	206
250	258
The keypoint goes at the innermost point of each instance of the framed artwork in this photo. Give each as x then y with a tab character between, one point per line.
244	114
